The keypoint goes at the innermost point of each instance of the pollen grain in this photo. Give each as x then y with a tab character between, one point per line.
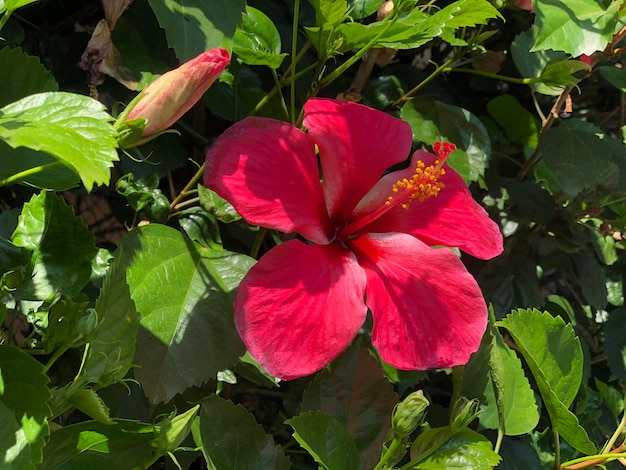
423	184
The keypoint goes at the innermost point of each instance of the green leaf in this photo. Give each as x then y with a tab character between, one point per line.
22	75
355	392
443	449
12	5
615	76
495	376
55	177
615	343
175	429
561	74
74	129
416	28
62	247
98	446
359	9
219	207
24	409
184	293
433	121
530	63
112	346
195	26
591	278
231	438
555	358
578	158
518	123
574	26
256	41
329	13
326	439
90	403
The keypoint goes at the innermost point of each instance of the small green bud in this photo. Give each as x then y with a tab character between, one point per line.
409	413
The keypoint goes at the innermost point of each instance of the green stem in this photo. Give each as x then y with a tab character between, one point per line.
496	447
258	240
422	84
31	171
282	98
192	183
57	354
605	457
609	445
495	76
5	18
393	447
557	450
294	45
328	79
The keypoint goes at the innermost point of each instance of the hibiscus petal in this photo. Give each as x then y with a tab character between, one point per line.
452	218
356	145
300	306
268	171
428	310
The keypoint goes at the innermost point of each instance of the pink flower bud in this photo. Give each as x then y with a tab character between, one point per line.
171	95
525	5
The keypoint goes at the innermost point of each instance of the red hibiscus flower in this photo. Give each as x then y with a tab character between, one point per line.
370	242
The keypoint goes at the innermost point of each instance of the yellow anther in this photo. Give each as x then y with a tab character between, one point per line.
422	185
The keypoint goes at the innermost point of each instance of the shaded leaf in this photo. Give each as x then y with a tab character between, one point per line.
433	121
231	438
62	247
74	129
195	26
184	294
355	392
24	409
90	403
22	75
361	8
518	123
326	440
615	76
615	343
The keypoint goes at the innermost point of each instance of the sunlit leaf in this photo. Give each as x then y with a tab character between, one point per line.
62	247
24	409
184	294
555	358
256	41
74	129
326	439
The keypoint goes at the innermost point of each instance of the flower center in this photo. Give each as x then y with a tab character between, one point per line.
423	184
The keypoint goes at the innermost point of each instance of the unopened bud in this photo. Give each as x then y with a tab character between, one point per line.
409	413
171	95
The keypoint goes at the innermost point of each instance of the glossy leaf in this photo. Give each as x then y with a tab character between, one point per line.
574	26
231	438
219	207
440	448
433	121
98	446
25	73
62	247
24	410
112	346
555	358
326	440
195	26
256	41
184	294
495	376
329	13
354	391
74	129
